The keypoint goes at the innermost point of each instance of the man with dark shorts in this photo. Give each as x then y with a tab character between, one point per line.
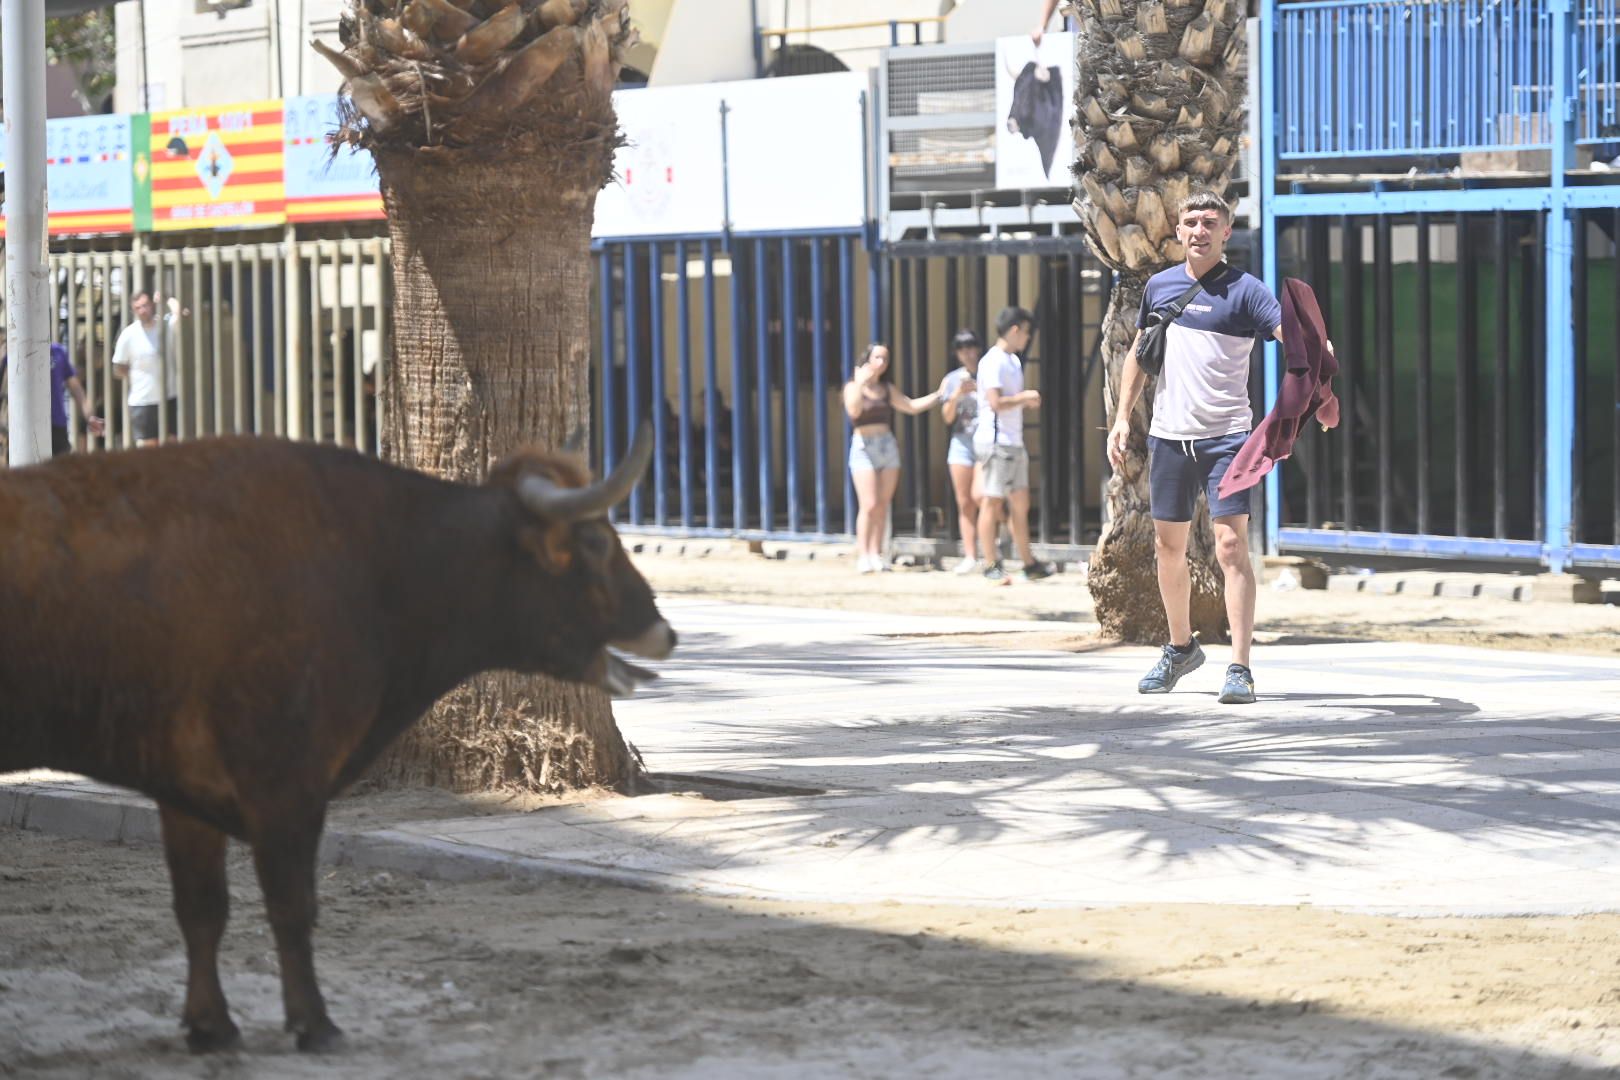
1201	418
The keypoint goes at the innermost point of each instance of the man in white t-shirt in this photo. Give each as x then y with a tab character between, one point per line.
998	442
135	358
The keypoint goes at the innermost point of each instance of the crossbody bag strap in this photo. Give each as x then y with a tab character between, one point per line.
1179	304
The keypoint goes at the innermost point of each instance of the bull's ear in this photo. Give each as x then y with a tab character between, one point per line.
550	543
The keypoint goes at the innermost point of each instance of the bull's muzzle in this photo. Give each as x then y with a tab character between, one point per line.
654	643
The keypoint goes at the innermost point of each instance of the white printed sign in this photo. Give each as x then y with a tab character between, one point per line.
1034	111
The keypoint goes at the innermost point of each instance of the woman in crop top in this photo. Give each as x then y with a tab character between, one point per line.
871	400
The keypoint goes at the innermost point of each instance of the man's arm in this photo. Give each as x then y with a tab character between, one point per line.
1131	383
1047	7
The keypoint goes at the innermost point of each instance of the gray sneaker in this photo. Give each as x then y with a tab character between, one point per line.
1239	687
1171	667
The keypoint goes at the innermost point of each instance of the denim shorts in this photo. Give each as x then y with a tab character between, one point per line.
1178	469
868	453
960	453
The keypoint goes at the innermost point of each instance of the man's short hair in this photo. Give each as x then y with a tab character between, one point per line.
143	294
1204	200
1011	317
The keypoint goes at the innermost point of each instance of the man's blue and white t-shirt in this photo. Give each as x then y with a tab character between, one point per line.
1203	391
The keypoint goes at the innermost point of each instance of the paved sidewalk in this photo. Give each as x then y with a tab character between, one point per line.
871	764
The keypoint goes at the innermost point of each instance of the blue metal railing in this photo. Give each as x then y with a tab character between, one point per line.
1358	79
1597	71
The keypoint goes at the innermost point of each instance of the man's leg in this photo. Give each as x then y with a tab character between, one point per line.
1232	551
1018	522
1175	583
989	523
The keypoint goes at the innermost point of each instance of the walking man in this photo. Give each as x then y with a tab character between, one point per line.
999	443
1201	418
146	354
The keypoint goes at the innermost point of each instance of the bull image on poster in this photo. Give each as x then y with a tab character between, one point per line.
1034	95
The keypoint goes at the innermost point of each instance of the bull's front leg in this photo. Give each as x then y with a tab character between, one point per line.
195	853
284	854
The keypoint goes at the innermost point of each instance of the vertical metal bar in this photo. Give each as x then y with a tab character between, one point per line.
216	315
609	391
1499	391
762	370
1356	320
1317	477
75	422
980	268
1012	281
238	378
739	389
790	382
1266	186
818	360
279	361
1614	442
381	310
1463	395
1425	371
846	323
1529	392
1075	317
876	266
1045	496
1384	329
952	298
357	350
683	328
920	463
1582	343
711	394
317	360
1562	390
632	366
658	402
902	355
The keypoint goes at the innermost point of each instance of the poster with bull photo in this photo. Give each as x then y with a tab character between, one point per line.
1034	106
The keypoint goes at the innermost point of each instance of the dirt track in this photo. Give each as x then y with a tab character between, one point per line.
574	980
581	979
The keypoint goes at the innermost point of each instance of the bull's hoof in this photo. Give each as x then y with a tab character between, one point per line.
322	1037
202	1039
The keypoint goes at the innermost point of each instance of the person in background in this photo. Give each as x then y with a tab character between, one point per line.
135	357
998	442
958	393
64	383
871	399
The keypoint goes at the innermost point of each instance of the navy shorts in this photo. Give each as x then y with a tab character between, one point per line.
1178	469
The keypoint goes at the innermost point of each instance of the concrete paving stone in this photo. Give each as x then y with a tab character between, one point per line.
1459	590
83	818
1345	582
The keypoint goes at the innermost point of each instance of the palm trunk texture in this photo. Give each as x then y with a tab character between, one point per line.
1159	115
492	127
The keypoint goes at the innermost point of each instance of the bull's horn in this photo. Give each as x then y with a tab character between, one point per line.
545	499
1007	63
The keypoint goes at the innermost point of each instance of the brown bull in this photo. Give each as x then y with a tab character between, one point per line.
238	628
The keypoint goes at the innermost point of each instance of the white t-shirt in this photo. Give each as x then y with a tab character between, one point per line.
999	371
137	348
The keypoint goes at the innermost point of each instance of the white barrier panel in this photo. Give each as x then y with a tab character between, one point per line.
793	158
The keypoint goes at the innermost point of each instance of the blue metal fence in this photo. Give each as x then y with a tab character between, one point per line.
1597	71
1396	77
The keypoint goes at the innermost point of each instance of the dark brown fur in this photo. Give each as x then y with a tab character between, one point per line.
238	627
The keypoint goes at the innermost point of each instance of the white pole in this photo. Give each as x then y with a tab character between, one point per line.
28	314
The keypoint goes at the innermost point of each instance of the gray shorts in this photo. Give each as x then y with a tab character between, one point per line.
1178	469
1006	469
873	453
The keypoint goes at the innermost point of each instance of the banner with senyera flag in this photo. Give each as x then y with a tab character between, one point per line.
210	168
87	175
322	185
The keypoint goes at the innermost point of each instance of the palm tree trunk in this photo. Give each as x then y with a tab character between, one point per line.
492	275
1159	116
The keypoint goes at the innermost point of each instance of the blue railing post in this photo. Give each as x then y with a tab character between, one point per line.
1561	389
818	358
658	399
610	428
1265	101
846	293
762	372
739	391
790	384
683	325
632	357
711	396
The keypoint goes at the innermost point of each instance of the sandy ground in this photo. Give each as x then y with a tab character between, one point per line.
1283	618
577	980
580	979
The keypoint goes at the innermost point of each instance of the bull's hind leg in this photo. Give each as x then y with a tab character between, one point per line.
196	857
284	853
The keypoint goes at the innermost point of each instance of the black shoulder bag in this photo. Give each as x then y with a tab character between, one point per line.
1150	347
